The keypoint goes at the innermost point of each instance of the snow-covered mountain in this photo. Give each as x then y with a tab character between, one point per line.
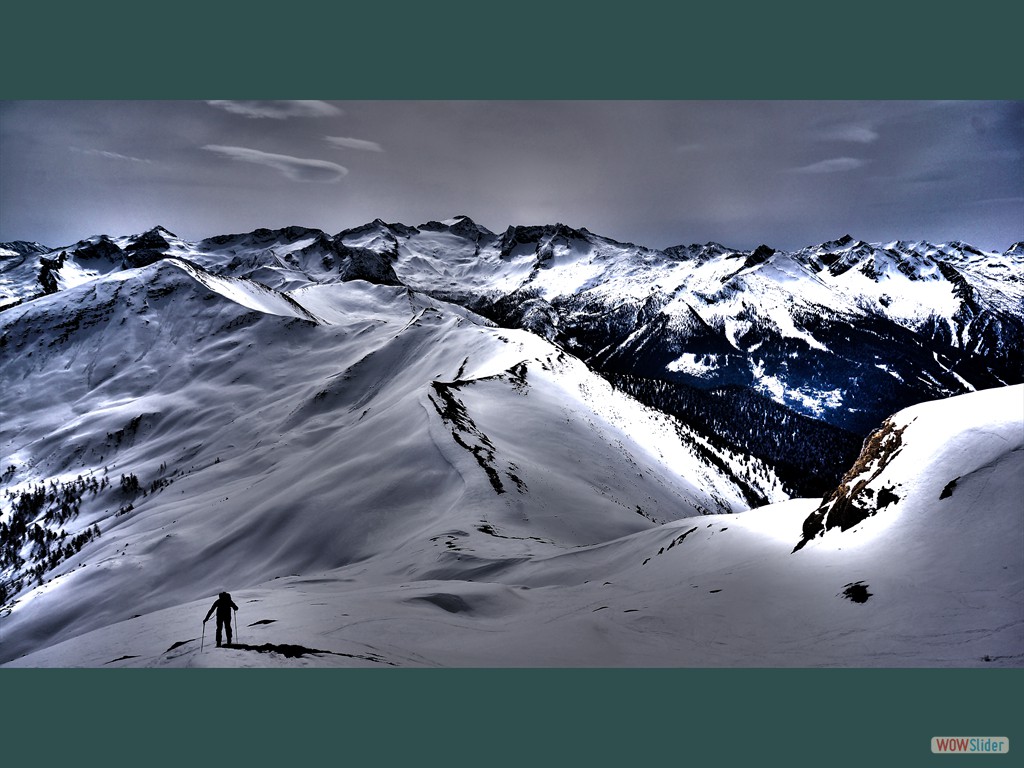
20	269
931	576
841	332
820	344
745	346
394	442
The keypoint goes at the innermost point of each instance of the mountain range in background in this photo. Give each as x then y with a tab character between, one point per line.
470	448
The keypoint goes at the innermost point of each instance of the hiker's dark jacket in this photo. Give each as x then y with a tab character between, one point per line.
222	605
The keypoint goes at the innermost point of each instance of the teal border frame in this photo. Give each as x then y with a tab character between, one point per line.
456	49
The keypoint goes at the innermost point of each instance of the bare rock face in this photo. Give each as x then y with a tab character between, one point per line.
854	500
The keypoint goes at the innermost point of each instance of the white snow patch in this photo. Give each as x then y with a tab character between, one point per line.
967	385
782	318
887	369
694	365
248	293
816	401
71	274
768	384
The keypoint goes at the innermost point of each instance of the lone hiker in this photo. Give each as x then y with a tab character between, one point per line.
223	605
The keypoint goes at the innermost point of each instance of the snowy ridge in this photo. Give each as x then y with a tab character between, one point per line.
920	457
248	293
263	444
393	447
935	579
844	332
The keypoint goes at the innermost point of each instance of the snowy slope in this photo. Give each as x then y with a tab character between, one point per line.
845	332
273	434
329	428
19	271
930	580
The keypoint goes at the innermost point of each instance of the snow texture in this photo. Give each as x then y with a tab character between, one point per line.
383	478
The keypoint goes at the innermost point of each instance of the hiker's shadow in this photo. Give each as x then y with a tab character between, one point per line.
288	650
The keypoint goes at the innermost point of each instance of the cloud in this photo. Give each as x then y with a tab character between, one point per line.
278	110
295	168
109	155
859	134
832	165
997	201
366	146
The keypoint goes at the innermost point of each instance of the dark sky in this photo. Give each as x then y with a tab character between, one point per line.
656	173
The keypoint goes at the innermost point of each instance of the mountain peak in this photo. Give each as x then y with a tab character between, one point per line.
760	255
460	225
844	242
380	226
153	239
22	248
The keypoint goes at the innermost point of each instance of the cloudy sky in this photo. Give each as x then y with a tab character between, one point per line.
656	173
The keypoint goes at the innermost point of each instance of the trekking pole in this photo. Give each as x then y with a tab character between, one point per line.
204	638
235	616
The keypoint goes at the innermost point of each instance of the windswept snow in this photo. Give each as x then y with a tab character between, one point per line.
248	293
934	579
273	445
382	478
694	365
